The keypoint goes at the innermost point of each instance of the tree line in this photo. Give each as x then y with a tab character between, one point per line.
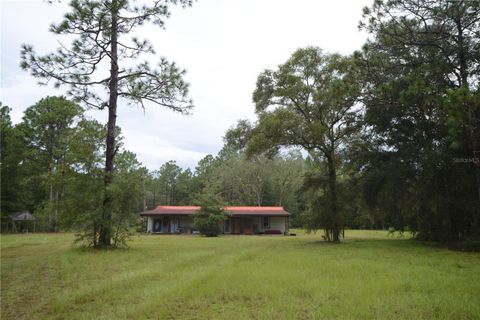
52	164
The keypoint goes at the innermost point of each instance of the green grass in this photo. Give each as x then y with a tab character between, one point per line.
369	276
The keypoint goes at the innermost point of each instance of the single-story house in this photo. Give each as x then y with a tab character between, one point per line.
238	220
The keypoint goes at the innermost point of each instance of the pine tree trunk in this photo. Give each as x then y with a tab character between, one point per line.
105	232
52	213
51	195
332	181
154	199
55	216
144	196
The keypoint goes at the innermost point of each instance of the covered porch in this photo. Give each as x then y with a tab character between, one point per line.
243	224
169	224
237	220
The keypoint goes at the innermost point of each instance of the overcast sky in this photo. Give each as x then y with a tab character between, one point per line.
223	45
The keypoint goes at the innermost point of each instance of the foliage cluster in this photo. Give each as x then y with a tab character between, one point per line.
209	219
52	165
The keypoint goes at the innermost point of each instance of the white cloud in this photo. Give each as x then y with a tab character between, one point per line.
224	45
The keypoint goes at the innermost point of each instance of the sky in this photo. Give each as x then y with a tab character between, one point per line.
223	44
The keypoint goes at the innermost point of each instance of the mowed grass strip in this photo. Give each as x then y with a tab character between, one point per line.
368	276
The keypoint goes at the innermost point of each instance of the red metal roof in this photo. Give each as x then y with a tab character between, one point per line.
171	210
234	211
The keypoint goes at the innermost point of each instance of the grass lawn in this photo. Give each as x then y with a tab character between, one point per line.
238	277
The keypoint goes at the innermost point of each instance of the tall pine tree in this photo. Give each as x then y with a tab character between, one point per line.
100	29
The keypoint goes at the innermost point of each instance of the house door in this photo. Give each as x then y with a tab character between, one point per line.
236	225
174	225
247	226
157	225
166	225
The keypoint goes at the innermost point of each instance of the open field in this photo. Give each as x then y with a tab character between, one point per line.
238	277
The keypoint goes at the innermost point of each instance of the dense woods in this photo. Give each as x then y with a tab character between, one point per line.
388	137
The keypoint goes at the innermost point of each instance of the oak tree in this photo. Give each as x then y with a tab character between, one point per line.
309	102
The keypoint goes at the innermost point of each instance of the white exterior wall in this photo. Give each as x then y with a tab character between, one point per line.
278	223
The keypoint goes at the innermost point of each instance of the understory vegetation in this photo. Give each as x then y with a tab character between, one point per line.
371	275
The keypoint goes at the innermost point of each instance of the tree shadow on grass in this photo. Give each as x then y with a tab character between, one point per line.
368	243
89	249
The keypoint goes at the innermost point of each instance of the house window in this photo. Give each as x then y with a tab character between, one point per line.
266	222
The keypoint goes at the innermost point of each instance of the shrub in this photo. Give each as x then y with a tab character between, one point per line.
210	218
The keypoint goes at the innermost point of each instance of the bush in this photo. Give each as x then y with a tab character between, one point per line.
210	218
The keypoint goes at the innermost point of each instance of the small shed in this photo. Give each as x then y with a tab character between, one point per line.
24	219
